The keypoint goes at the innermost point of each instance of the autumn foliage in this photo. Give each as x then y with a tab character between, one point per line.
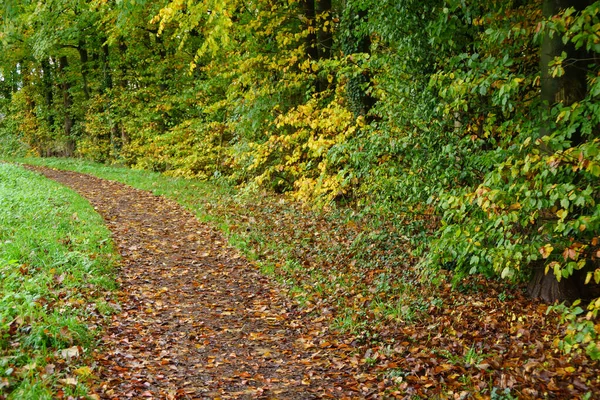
476	123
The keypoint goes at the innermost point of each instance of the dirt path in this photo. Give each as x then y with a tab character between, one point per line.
198	321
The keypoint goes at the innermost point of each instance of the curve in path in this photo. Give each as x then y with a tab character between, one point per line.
197	321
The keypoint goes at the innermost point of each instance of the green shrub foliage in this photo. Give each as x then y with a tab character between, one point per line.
476	120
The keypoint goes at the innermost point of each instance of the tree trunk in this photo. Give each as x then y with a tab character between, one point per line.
83	57
319	40
566	89
324	38
107	82
571	86
548	289
311	39
124	84
325	31
16	79
354	40
63	64
116	140
48	91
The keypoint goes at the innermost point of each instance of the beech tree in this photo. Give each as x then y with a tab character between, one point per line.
474	127
562	87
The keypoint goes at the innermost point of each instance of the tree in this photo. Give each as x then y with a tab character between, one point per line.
533	213
356	41
427	113
563	88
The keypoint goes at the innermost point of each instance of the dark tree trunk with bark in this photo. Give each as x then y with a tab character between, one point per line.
26	79
356	40
107	82
324	36
325	31
48	91
311	39
83	57
63	64
16	79
571	86
548	289
115	139
566	89
124	84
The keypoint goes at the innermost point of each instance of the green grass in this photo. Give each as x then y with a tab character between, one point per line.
56	279
322	258
187	192
358	270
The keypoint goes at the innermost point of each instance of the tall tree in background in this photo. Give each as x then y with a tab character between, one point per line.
356	44
569	85
421	112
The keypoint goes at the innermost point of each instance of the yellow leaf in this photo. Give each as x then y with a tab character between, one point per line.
71	352
557	271
546	250
516	206
562	214
69	381
83	371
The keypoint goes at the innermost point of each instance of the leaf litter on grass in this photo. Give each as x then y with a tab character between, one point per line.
402	338
197	320
485	339
55	287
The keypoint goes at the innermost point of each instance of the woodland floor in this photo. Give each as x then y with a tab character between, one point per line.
197	320
200	321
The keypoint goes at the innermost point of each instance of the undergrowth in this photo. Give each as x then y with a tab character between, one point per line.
360	273
335	261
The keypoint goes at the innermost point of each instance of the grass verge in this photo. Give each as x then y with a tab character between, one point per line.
357	273
56	279
336	262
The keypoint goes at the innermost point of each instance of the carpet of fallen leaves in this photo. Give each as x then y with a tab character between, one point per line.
197	320
200	321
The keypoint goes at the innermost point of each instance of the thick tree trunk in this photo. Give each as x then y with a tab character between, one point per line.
325	31
319	38
124	84
571	86
311	39
548	289
324	36
566	89
107	85
107	82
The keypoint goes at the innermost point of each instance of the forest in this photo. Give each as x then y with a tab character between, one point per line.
466	131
